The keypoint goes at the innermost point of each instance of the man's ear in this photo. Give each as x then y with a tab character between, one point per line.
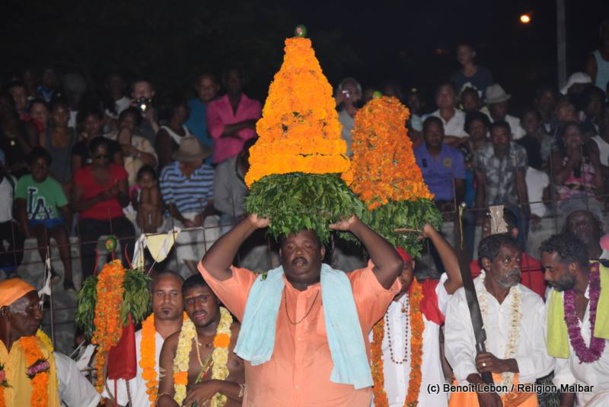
322	251
486	263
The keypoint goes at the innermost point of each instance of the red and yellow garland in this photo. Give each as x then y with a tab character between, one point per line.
415	296
108	323
299	129
383	167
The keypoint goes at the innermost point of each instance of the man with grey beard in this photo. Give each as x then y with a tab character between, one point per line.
514	321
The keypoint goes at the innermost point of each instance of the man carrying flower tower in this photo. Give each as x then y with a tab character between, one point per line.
198	364
578	321
166	319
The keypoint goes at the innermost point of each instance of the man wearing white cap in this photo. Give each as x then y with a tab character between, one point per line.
576	83
496	100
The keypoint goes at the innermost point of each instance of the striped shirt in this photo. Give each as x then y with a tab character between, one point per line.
187	194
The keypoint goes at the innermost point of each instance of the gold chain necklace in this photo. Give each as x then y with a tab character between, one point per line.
285	303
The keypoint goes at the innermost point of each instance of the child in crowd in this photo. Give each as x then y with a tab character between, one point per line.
43	211
146	200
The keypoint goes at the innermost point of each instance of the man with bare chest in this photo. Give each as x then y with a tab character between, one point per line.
198	366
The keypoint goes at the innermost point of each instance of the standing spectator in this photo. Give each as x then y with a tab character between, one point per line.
577	173
168	138
142	93
59	139
137	150
534	136
11	238
597	65
453	119
49	85
348	95
16	137
500	169
207	88
497	103
90	122
470	100
99	196
44	213
470	75
187	187
232	118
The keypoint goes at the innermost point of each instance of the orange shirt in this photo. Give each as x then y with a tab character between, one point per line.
298	374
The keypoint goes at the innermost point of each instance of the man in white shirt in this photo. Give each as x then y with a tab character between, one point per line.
577	334
514	321
74	388
452	118
399	340
167	316
496	100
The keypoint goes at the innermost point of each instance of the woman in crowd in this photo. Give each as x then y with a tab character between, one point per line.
137	151
99	196
59	140
576	172
38	113
168	138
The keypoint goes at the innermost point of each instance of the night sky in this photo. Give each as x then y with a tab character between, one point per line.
407	41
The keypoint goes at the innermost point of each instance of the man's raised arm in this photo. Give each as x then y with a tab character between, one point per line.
387	262
219	257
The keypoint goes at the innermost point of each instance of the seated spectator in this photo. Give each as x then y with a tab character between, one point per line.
99	196
49	85
142	94
585	226
535	137
19	93
58	140
594	100
169	136
392	88
545	100
44	212
538	181
114	100
470	75
415	122
11	238
75	88
497	104
137	150
564	112
470	100
206	88
348	96
531	269
576	84
16	137
577	173
38	114
452	118
90	122
30	79
232	119
146	200
187	188
602	143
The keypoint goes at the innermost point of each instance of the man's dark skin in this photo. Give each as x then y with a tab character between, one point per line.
21	318
301	253
233	82
584	225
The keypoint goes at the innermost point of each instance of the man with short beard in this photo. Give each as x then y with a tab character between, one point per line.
514	321
167	315
585	226
210	323
577	333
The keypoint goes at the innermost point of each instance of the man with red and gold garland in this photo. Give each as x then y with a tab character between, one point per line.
166	319
28	369
406	342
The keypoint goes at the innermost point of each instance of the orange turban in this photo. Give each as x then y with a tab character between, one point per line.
12	289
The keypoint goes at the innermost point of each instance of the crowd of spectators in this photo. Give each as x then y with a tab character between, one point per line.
126	163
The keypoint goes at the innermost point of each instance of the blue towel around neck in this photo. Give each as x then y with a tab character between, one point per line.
345	339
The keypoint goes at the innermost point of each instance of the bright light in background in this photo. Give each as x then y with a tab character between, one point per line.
525	18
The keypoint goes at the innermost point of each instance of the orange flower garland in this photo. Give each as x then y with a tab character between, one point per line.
107	320
40	380
383	167
299	129
417	326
